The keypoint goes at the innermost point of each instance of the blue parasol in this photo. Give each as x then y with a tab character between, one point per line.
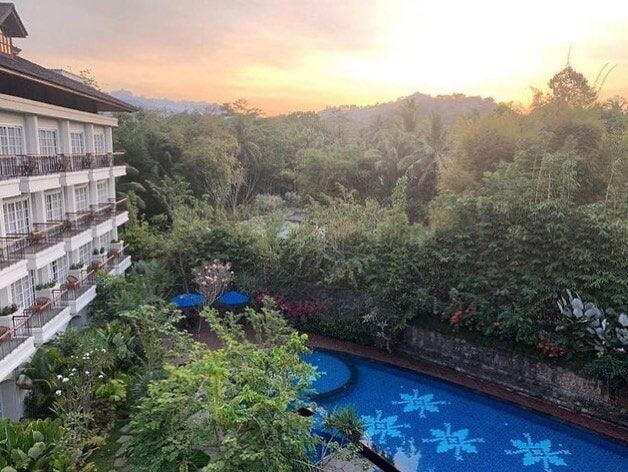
233	299
185	301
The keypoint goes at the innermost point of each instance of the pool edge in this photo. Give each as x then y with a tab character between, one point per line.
476	384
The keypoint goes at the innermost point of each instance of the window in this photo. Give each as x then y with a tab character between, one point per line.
103	192
59	269
99	144
54	209
78	143
48	142
84	253
11	141
6	47
16	216
82	200
22	292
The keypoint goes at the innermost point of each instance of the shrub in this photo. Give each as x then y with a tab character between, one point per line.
28	446
220	402
9	310
612	370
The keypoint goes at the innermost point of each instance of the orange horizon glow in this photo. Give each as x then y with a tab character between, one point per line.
289	55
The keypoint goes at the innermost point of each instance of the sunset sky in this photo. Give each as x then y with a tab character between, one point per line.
287	55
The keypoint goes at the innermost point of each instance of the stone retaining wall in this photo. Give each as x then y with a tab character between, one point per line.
522	374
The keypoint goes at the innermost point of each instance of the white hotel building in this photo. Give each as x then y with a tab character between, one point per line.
59	217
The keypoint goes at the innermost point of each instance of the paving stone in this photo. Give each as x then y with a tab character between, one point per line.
126	428
340	463
124	439
119	462
120	452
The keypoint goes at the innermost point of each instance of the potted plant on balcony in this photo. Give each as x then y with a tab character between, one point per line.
45	290
77	269
98	256
7	313
64	163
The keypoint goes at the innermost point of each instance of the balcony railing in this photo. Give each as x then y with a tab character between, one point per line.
41	237
32	165
44	310
114	257
12	250
14	246
11	338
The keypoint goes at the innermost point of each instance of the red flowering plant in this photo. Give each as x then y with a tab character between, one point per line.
296	311
548	349
461	311
212	279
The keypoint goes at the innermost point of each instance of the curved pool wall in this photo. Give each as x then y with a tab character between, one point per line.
334	375
426	424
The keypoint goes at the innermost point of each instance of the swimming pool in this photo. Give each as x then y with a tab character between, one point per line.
426	424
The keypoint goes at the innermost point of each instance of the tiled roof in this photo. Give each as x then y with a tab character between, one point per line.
14	27
35	71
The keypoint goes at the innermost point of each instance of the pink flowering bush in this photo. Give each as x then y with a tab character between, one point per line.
212	279
296	311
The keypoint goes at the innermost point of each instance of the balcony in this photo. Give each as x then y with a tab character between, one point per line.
41	321
17	246
12	250
12	167
44	244
47	316
117	261
42	236
16	346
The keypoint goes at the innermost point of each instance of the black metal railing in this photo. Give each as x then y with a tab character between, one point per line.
12	249
42	236
31	165
12	337
103	211
45	310
14	246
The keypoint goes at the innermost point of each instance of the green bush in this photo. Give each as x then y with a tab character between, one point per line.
28	446
612	370
345	329
524	258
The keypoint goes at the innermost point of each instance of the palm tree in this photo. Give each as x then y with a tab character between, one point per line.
432	153
409	114
397	152
243	121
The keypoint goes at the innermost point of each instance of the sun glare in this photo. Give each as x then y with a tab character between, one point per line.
441	47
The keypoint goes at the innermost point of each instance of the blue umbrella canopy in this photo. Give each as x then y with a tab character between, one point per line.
188	300
233	299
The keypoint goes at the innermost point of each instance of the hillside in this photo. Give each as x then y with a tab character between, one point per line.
164	104
448	106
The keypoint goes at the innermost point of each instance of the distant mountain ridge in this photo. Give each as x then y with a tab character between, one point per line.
447	106
164	104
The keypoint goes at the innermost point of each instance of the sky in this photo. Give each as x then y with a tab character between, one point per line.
290	55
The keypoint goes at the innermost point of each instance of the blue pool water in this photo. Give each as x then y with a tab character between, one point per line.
429	425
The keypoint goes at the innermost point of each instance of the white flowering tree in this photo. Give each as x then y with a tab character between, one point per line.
212	279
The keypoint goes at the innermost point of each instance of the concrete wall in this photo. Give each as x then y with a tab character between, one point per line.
523	374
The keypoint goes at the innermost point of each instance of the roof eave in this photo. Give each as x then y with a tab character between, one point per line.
20	31
114	106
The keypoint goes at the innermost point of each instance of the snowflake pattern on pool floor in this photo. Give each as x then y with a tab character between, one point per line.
453	440
538	453
420	403
382	427
317	375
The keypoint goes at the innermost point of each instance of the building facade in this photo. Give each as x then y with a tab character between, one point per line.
59	214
